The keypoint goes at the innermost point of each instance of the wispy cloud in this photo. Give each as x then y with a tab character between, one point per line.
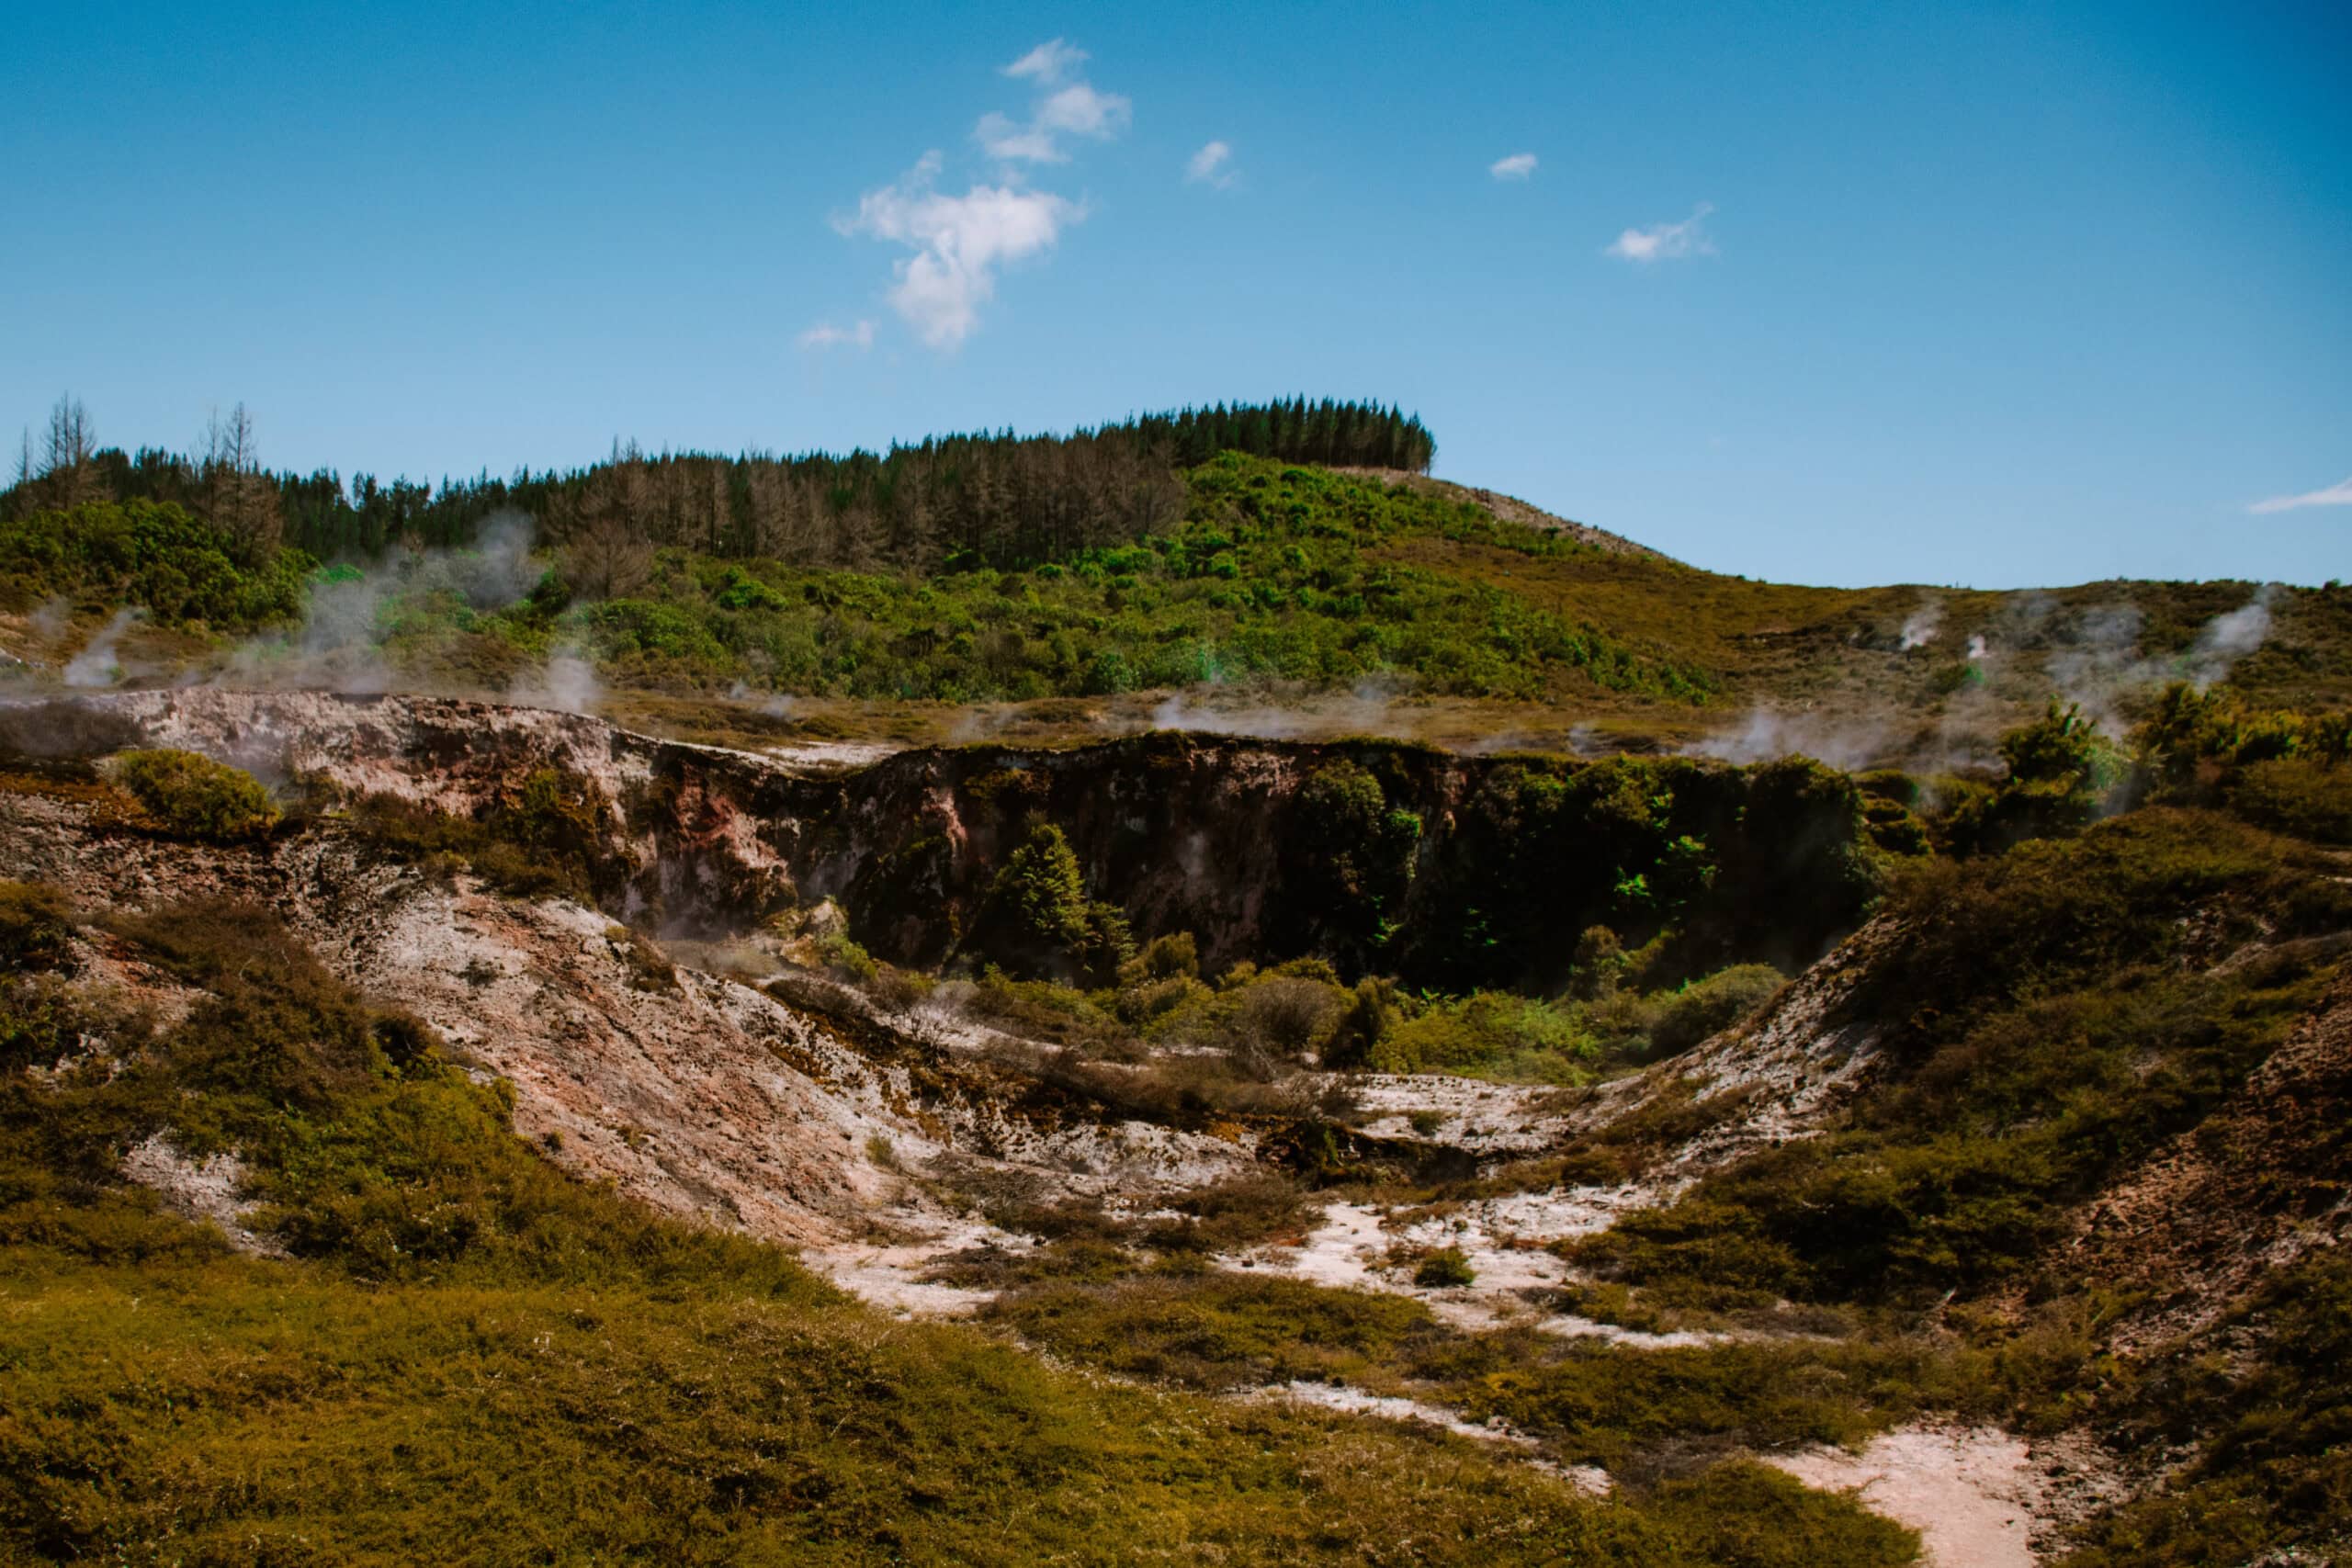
1211	165
1048	62
824	335
1667	242
1072	109
2334	495
959	242
1517	166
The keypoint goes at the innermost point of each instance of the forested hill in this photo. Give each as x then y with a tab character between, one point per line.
998	499
1289	545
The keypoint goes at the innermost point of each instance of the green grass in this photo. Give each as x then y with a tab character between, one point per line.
253	1413
1628	1408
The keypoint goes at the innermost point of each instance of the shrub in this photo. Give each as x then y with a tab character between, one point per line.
1104	944
2298	796
1168	956
845	960
194	796
2060	1012
1355	853
551	838
1598	963
1370	1017
1280	1018
1490	1035
1038	919
1445	1270
1707	1007
35	922
1041	893
2062	775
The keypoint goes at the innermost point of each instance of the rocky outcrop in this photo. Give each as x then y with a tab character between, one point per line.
702	1096
1446	870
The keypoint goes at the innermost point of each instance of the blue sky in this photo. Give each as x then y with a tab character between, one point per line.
1985	294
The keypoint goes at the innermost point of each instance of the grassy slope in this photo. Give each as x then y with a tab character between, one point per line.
469	1359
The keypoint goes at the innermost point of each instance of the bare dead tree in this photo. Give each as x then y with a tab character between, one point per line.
607	558
68	475
606	552
239	498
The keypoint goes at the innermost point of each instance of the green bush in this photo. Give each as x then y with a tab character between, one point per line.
36	921
2063	773
845	960
2297	795
1445	1270
1705	1007
1037	919
548	838
182	569
1042	892
1490	1035
1354	852
194	796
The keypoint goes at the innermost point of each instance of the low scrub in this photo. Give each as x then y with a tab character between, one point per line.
1215	1330
469	1347
549	837
192	797
2060	1012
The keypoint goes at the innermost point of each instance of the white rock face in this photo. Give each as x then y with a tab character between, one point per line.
205	1189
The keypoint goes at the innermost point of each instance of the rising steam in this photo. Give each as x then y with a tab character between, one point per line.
97	665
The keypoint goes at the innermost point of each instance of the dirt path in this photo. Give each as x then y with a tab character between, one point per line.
1978	1496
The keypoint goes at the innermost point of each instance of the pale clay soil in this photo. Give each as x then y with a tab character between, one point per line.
1978	1496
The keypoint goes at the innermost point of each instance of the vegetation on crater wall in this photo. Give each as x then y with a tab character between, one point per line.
191	795
2049	1030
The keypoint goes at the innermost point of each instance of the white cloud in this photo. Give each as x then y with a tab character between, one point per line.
2334	495
1080	110
1211	165
959	242
824	334
1076	109
1009	139
1049	62
1517	166
1667	240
